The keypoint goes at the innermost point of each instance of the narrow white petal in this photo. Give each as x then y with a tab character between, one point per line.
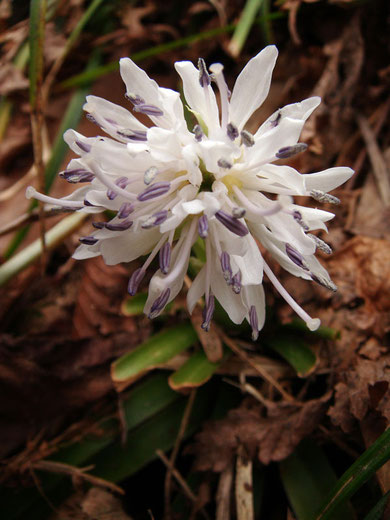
329	179
197	289
252	86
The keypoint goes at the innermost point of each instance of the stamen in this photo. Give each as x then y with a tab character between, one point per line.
125	210
238	212
254	322
325	282
92	119
208	312
223	163
159	303
149	110
203	226
290	151
236	282
232	131
150	175
233	224
296	257
277	119
87	203
204	76
198	133
135	99
154	190
321	196
134	135
297	215
135	280
226	267
165	257
321	245
77	175
113	186
32	193
156	219
88	241
275	206
99	225
312	323
119	226
122	182
247	138
218	77
84	146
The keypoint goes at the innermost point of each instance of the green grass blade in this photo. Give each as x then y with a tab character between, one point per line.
307	477
360	471
296	353
247	19
378	510
194	373
60	149
155	351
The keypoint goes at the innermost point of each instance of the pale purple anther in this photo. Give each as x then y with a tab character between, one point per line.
321	245
149	110
125	210
135	280
321	196
297	215
204	76
277	119
156	219
224	163
207	313
232	131
325	282
99	225
154	190
238	212
165	257
203	226
233	224
88	241
77	175
150	174
135	99
92	119
159	303
84	146
296	257
290	151
254	322
122	182
87	203
198	133
226	267
247	138
119	226
236	282
133	135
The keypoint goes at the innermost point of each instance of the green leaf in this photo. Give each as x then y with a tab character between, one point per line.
296	353
377	511
360	471
134	305
155	351
195	372
307	477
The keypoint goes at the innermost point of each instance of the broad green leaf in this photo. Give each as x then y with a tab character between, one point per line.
155	351
295	352
134	305
377	511
355	476
195	372
307	477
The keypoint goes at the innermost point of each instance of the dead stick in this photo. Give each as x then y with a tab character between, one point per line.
175	451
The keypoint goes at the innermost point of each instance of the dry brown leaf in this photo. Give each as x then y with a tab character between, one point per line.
272	437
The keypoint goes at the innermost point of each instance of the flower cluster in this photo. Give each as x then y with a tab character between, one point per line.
217	183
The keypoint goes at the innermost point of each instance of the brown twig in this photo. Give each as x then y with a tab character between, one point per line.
175	451
186	488
223	493
66	469
233	346
28	218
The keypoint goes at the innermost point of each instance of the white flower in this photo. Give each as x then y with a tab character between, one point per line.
171	187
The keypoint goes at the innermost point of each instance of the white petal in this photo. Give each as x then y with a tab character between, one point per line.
195	95
197	289
164	144
329	179
252	86
250	264
128	246
83	252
